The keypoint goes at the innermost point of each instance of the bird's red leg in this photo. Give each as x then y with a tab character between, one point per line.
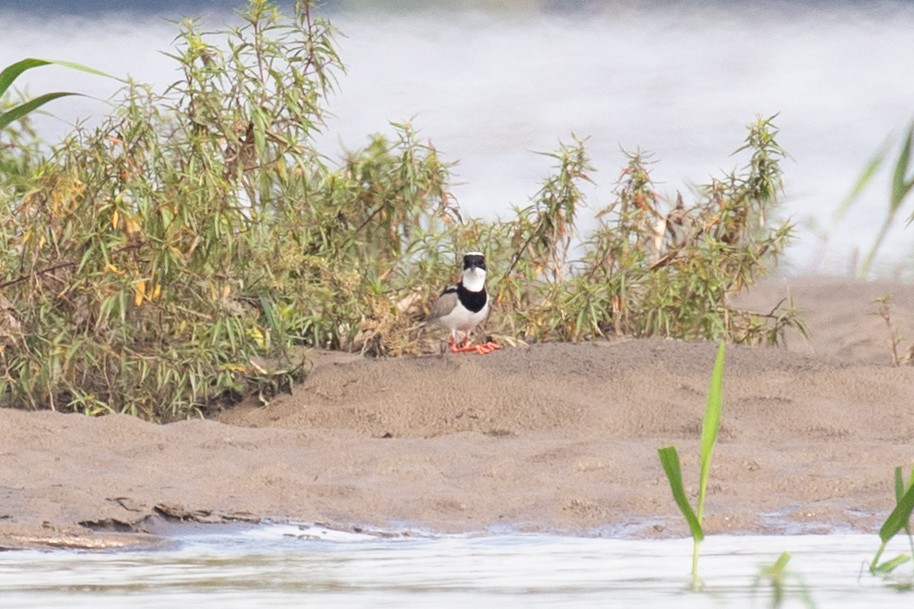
481	349
487	347
462	348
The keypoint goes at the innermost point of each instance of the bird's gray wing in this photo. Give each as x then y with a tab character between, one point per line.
443	305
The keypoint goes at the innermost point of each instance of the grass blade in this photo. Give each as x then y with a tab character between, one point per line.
669	458
781	563
17	112
900	185
897	520
12	72
899	517
890	565
711	425
866	176
82	68
900	486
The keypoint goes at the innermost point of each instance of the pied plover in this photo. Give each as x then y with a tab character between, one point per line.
463	306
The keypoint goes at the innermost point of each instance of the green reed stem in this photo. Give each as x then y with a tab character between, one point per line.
669	459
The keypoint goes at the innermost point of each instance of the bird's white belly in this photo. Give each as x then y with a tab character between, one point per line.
463	320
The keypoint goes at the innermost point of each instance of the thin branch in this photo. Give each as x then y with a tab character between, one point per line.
62	265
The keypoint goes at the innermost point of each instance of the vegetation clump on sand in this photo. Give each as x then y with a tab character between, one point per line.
176	257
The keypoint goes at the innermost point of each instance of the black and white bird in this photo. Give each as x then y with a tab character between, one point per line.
463	306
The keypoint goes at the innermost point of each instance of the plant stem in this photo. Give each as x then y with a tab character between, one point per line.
875	562
877	244
696	583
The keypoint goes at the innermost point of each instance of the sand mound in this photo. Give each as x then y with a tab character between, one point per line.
554	437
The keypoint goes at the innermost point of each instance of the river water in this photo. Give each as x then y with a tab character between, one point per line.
491	83
291	566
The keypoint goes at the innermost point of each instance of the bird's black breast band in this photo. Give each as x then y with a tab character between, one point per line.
473	301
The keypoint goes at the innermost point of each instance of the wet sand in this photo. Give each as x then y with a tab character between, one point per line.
550	437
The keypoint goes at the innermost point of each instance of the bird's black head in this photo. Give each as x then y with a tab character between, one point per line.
474	260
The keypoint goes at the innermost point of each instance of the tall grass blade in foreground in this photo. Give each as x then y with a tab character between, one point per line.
899	519
901	187
13	71
669	458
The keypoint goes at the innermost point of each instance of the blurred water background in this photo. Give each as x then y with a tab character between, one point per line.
490	83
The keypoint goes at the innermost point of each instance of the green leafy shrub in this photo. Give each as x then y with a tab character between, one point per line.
128	263
649	269
177	257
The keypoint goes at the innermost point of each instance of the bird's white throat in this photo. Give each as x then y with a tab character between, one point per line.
474	279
